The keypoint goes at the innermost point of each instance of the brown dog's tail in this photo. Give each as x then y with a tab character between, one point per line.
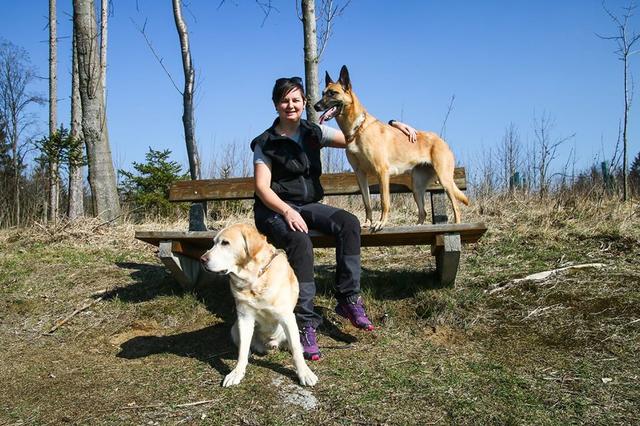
460	195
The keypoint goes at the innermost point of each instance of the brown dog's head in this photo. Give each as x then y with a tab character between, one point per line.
335	96
233	248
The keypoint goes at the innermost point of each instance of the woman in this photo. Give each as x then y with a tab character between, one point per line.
287	169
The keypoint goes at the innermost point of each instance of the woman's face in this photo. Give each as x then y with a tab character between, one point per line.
291	106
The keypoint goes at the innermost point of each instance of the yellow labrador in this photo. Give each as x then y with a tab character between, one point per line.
265	289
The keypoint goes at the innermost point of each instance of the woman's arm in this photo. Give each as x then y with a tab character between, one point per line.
406	129
262	182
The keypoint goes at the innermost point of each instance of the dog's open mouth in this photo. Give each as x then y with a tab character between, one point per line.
329	114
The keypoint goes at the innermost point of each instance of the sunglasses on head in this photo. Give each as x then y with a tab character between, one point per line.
295	80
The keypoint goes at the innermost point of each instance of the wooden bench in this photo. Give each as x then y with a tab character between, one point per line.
180	250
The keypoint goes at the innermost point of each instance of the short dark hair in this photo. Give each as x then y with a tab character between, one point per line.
285	85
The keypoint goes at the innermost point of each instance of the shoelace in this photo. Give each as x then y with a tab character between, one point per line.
358	308
305	335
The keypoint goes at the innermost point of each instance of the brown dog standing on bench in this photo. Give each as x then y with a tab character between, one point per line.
375	148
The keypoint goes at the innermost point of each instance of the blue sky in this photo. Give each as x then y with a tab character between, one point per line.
503	60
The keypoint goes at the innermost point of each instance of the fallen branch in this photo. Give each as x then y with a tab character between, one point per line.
631	322
541	276
193	404
539	310
73	314
188	404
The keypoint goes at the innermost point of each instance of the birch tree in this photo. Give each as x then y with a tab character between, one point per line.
197	213
54	173
315	42
311	57
104	8
75	208
102	177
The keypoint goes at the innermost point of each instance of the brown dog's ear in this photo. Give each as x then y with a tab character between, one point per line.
344	78
327	78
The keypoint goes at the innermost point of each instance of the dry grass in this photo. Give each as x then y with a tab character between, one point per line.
560	351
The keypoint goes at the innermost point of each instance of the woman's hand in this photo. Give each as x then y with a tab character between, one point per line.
262	181
406	129
295	221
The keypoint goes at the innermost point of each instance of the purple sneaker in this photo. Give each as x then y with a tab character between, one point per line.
310	348
354	312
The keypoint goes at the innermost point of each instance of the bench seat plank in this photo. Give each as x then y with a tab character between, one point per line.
195	243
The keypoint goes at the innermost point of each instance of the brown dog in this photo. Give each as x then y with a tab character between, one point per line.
375	148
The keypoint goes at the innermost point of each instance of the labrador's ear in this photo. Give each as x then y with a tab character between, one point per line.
344	80
327	79
253	241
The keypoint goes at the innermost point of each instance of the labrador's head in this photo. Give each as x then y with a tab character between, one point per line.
233	247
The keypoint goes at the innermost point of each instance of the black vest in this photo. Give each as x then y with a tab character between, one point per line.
295	169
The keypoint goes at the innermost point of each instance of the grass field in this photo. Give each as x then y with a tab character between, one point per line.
491	350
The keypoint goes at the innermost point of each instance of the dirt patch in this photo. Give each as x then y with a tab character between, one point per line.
137	329
445	336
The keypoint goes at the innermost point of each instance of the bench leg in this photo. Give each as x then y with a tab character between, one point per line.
439	207
447	253
184	269
197	215
447	247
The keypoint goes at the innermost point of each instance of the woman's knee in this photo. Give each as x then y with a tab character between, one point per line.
299	243
300	254
346	221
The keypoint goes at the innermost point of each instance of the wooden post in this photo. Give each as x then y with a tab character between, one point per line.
447	247
197	214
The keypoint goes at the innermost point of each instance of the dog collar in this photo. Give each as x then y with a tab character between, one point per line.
358	128
275	254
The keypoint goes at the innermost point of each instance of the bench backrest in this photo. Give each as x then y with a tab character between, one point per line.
333	184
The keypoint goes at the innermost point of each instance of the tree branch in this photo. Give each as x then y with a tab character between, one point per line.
446	117
155	54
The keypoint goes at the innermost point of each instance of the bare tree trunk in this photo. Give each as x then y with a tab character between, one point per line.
547	147
310	57
187	95
76	193
625	174
197	213
102	177
54	178
103	46
625	40
509	156
16	168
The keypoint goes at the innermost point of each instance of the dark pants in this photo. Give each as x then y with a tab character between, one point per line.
328	220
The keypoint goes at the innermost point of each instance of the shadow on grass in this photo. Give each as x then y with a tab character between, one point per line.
382	284
211	345
150	281
153	281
